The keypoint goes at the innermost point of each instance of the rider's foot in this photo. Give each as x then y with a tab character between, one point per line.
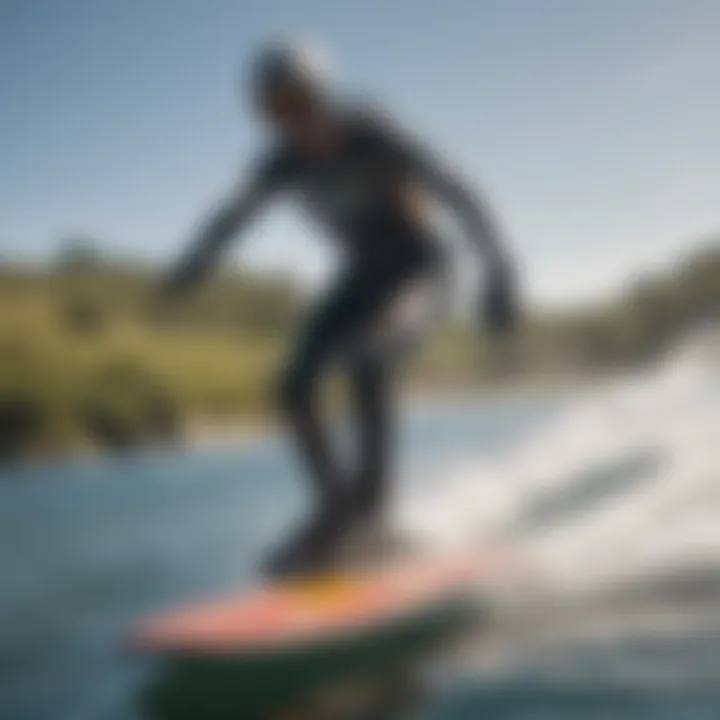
375	532
311	549
365	511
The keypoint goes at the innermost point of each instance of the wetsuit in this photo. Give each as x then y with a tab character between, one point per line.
363	194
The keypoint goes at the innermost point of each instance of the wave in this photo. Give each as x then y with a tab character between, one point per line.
618	495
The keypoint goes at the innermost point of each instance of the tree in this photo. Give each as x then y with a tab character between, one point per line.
77	254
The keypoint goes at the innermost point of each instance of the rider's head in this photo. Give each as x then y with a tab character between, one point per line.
290	87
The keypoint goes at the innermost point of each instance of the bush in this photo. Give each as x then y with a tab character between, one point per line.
124	405
34	402
83	316
22	422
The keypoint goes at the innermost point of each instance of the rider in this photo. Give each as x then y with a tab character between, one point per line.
368	183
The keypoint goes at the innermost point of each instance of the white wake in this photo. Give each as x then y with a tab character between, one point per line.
621	488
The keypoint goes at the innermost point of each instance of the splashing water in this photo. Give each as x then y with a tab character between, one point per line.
616	500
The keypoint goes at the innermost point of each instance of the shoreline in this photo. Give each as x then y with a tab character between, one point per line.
203	433
199	433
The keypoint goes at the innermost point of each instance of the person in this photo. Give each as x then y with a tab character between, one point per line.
371	186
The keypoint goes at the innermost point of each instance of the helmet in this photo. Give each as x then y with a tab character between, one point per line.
288	65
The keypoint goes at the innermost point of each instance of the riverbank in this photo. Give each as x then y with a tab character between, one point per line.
203	433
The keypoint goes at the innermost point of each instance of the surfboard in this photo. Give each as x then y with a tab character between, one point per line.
288	641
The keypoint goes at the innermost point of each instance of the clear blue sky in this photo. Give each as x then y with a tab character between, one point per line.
592	124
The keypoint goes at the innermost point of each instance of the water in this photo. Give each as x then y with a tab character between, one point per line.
612	495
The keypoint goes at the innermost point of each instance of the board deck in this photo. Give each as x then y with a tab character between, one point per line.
294	644
293	613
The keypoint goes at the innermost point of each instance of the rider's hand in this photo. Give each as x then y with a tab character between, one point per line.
499	303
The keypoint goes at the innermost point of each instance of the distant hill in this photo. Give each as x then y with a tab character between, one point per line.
85	360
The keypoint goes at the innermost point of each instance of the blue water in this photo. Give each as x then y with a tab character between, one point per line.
87	547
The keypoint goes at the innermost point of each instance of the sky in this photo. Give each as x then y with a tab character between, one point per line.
591	125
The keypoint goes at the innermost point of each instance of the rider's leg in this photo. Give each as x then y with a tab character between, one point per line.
371	380
396	332
353	318
343	318
299	400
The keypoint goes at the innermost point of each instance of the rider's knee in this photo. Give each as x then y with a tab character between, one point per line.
294	395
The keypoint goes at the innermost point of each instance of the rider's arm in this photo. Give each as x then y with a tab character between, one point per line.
498	302
416	160
471	208
222	227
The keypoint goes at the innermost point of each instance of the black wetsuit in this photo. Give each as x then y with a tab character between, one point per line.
390	252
